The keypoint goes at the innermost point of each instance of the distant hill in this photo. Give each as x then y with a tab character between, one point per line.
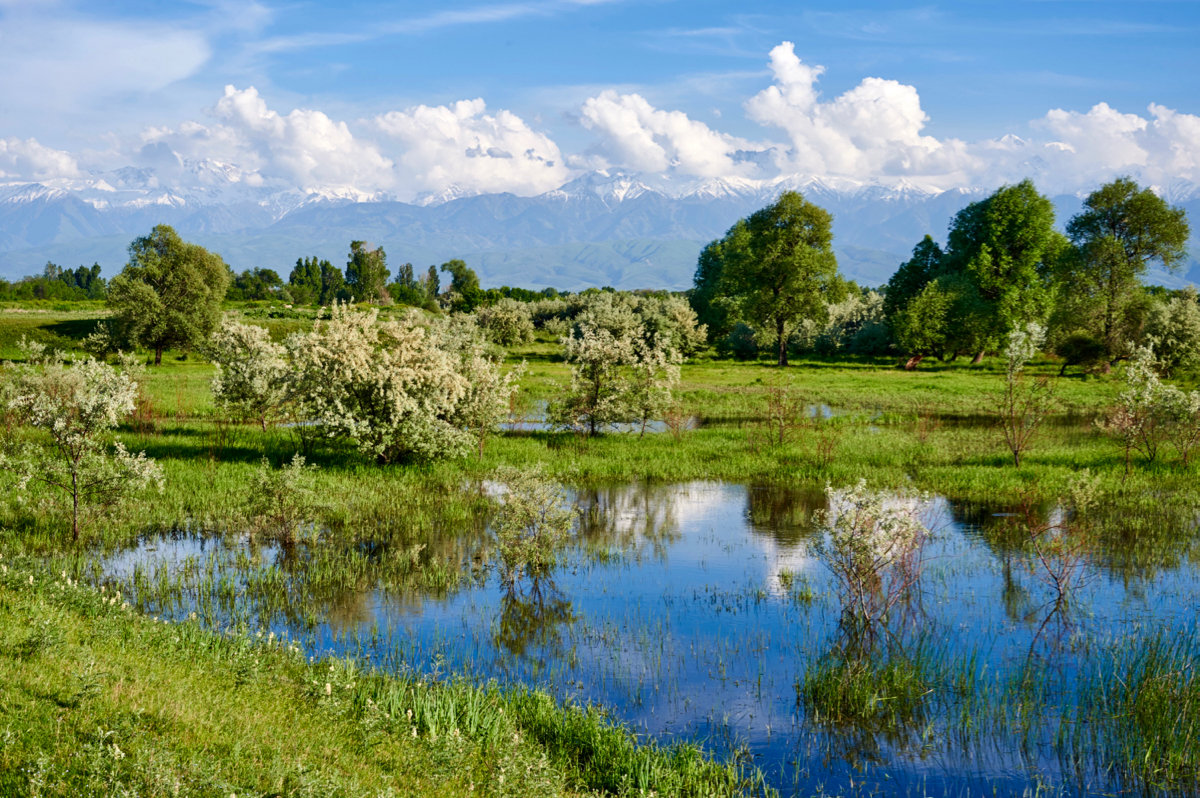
600	229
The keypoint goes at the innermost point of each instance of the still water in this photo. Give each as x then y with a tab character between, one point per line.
694	611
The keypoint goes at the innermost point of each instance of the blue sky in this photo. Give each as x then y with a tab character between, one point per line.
326	94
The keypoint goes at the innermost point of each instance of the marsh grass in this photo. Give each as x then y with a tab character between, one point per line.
99	700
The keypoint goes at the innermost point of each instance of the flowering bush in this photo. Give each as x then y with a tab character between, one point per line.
507	322
252	375
532	524
77	405
873	545
384	385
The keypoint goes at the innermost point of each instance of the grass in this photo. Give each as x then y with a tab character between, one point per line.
100	700
97	699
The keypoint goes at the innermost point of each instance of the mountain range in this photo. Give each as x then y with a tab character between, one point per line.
627	231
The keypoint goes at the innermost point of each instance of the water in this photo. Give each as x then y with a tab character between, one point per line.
693	611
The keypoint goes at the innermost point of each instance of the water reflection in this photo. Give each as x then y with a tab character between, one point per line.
531	619
676	605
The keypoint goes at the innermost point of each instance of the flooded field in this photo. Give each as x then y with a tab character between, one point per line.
705	612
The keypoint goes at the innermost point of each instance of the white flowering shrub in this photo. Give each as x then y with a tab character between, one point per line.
653	375
873	545
252	376
73	407
508	322
597	394
1150	413
490	390
532	524
1173	330
282	501
1023	403
386	386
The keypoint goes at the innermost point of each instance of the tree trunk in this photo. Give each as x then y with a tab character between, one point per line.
782	343
975	361
912	362
158	355
74	507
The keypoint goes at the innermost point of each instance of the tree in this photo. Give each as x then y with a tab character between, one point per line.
367	272
1024	403
1121	231
779	265
465	294
333	285
252	376
389	387
77	405
1007	246
914	274
169	294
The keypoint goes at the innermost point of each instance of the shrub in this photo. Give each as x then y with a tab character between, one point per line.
252	376
77	405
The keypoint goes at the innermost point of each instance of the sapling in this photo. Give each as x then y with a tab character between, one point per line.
1024	403
873	544
77	405
532	524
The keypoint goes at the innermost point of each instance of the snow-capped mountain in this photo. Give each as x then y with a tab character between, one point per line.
600	228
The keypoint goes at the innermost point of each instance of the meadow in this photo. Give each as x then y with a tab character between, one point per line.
380	652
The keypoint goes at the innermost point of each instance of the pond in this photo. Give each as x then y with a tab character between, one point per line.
702	611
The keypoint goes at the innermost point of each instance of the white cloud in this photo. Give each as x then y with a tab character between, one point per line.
871	131
635	135
27	160
302	149
465	146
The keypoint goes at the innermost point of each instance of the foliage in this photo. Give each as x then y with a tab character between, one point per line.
653	374
282	501
367	273
779	265
251	376
1119	233
533	522
257	284
507	322
596	396
1023	403
873	545
1173	331
490	392
464	293
57	283
169	294
386	386
1139	419
1007	247
77	405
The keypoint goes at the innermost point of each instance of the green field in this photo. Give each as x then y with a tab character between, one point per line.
99	699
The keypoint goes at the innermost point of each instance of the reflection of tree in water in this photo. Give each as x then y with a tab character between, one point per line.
1131	538
532	612
783	513
630	519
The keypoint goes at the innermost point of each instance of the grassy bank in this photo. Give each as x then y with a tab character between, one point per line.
99	700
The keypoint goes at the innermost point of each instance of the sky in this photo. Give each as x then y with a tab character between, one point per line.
399	98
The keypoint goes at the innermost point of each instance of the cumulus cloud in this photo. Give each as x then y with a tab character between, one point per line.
462	145
26	159
871	131
1089	147
635	135
304	148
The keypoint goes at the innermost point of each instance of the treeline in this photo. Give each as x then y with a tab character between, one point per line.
367	278
772	281
58	283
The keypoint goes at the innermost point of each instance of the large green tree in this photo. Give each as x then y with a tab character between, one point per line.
778	264
169	294
1007	246
367	272
1120	232
465	293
